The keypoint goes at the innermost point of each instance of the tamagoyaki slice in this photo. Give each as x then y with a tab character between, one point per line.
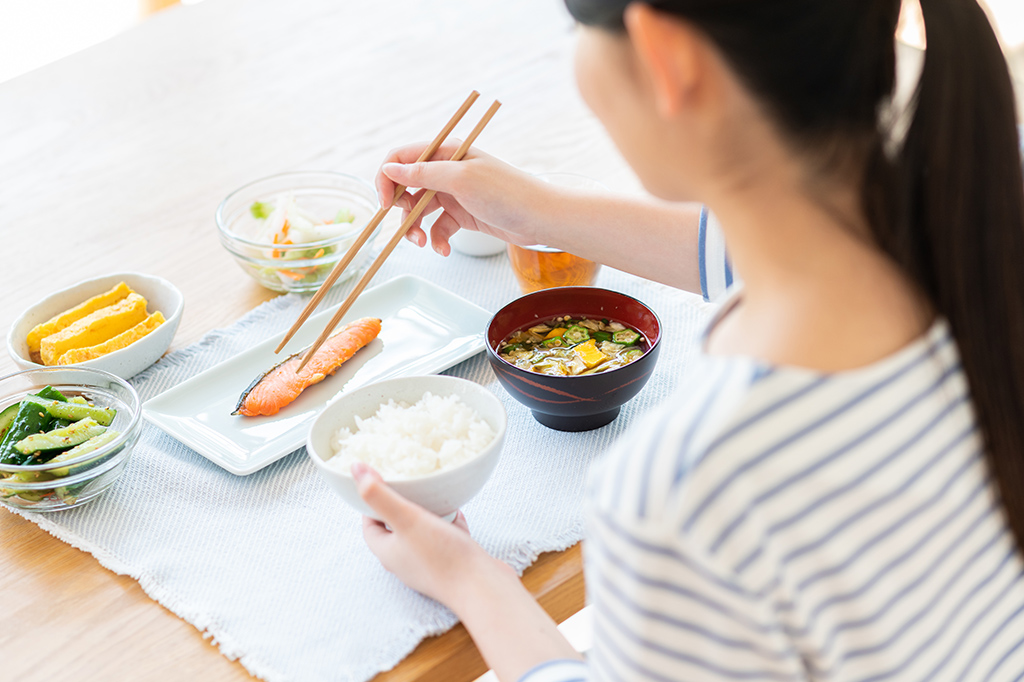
122	340
94	328
66	318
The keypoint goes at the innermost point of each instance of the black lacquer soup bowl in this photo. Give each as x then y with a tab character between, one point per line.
574	403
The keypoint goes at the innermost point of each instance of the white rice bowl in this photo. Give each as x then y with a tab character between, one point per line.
403	441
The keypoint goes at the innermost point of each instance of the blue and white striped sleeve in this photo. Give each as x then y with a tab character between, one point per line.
712	260
567	670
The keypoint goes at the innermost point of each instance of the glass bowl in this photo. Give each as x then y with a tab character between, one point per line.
296	267
53	486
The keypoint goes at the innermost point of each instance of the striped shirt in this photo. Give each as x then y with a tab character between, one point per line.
777	523
713	264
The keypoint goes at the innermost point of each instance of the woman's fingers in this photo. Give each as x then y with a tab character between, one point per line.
372	528
396	511
379	539
385	185
410	200
411	152
405	201
417	236
416	233
441	231
405	155
440	176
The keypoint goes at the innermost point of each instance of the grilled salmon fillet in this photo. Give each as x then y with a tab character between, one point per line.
280	385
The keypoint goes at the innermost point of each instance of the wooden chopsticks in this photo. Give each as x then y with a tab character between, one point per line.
340	266
399	233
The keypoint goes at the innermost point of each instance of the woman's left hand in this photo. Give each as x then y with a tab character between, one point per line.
428	554
440	560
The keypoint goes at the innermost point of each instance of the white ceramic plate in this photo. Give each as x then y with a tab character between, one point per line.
425	330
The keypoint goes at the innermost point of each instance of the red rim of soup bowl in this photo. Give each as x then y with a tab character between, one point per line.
574	403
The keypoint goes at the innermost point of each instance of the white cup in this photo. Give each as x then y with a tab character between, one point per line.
476	243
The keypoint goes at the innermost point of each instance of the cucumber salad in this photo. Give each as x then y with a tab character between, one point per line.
49	427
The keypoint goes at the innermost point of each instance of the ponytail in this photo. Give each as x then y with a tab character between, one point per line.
950	210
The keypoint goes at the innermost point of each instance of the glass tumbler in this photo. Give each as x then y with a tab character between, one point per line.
538	266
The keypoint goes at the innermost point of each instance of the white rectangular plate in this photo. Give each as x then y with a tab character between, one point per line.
425	330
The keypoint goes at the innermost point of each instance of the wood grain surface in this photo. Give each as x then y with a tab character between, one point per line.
115	160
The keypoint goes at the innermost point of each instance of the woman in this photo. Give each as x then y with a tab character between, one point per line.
840	492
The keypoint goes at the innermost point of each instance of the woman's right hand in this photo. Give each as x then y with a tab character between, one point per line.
479	193
485	194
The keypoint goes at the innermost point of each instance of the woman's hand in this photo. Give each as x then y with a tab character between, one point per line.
485	194
440	560
478	193
429	555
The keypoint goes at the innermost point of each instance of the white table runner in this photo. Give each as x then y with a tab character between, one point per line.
273	566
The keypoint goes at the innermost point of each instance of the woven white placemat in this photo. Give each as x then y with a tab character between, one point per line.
273	566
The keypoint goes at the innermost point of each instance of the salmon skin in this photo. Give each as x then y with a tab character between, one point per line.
280	385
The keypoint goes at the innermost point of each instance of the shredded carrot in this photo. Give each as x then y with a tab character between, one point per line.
319	253
279	253
284	229
293	275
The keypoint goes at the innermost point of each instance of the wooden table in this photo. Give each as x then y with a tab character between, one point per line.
115	159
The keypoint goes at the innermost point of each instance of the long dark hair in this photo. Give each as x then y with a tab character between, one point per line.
946	202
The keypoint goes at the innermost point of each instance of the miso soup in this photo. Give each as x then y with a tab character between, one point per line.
573	346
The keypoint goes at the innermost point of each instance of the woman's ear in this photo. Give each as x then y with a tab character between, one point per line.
668	51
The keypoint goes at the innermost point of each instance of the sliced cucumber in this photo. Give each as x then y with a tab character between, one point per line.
50	393
79	400
94	443
32	418
69	494
28	477
21	478
7	418
62	438
77	411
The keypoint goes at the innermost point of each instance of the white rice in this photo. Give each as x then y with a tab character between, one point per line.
407	441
